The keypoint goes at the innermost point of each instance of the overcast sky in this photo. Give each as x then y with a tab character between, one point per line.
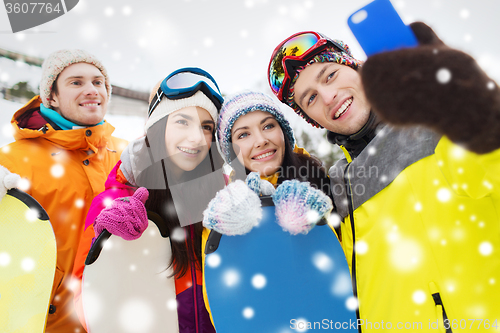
140	42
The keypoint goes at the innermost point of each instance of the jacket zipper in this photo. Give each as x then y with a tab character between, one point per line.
353	262
440	307
193	279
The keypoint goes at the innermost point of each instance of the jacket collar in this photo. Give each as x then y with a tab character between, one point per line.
90	138
355	143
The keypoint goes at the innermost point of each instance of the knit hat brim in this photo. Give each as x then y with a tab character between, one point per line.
168	106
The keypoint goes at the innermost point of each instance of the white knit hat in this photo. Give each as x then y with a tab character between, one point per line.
167	106
57	61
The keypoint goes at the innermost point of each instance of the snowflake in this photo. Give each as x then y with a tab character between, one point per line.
334	220
322	262
28	264
109	11
301	325
136	315
361	247
90	31
127	10
178	234
213	260
464	13
342	285
93	305
485	248
107	202
312	216
24	184
4	77
248	312
406	254
57	170
443	75
443	195
4	259
231	277
7	131
352	303
208	42
32	214
172	304
419	297
259	281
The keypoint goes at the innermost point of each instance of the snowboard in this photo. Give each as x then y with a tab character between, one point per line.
28	256
126	285
271	281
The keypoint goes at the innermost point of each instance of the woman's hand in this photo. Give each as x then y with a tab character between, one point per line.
299	206
126	217
235	210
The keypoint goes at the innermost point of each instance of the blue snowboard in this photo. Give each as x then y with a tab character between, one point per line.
271	281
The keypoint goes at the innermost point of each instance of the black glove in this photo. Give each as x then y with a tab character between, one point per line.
435	86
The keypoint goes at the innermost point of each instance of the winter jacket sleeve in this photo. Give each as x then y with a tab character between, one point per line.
469	174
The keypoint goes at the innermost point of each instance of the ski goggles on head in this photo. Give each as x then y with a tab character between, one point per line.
185	82
293	52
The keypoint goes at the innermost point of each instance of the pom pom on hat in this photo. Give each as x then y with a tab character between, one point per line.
57	61
241	104
330	54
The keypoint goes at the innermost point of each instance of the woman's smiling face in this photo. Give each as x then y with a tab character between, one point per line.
259	142
188	137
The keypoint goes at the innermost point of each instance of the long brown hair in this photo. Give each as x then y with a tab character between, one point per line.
156	178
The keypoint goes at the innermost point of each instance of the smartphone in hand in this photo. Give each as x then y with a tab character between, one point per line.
378	28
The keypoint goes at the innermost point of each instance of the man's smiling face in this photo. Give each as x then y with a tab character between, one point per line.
332	95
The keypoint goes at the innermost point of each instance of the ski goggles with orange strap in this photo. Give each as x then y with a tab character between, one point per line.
293	52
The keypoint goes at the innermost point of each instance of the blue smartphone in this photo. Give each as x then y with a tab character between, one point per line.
378	28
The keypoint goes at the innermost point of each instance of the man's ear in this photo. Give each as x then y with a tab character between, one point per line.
54	100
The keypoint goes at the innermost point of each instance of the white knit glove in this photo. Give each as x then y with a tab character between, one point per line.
258	185
235	210
8	180
299	206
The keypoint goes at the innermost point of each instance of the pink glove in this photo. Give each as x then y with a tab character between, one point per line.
126	217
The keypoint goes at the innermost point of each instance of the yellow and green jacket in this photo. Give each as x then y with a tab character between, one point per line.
420	231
